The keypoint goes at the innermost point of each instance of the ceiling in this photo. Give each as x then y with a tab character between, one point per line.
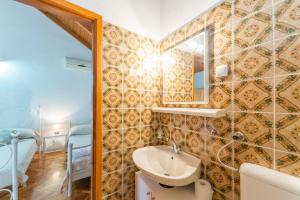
152	18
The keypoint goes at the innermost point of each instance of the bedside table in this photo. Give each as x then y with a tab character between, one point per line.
54	143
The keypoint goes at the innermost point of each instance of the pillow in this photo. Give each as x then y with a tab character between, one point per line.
84	129
24	133
5	136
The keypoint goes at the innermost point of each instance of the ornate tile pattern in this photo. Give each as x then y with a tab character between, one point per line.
288	133
288	94
243	8
128	122
288	163
257	128
254	63
287	55
253	95
287	18
242	39
253	30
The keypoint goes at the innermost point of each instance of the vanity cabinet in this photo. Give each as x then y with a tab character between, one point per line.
147	189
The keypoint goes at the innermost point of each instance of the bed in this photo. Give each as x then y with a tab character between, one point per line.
26	143
79	155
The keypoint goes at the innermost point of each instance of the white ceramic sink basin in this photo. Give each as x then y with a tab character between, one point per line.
164	166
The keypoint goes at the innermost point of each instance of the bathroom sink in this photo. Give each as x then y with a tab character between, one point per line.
164	166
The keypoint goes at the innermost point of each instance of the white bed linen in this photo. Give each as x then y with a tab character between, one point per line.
26	151
81	158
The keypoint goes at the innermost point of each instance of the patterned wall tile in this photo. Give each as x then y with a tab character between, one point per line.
148	135
287	55
195	143
115	196
112	77
220	178
220	127
288	163
131	118
131	137
254	30
131	98
131	59
112	34
219	196
243	8
220	16
132	41
252	154
194	123
112	98
287	18
129	192
131	79
177	37
288	133
178	120
288	94
213	145
253	95
129	175
112	119
254	63
112	161
112	55
257	128
112	140
112	183
220	96
220	43
164	118
127	157
178	136
146	117
195	27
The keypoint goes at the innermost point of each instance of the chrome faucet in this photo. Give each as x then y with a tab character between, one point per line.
176	148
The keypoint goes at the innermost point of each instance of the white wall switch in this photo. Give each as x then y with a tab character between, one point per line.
221	71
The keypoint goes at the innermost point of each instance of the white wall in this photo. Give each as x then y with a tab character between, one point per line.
139	16
176	13
152	18
33	72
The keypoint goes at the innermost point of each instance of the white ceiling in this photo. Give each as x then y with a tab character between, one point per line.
151	18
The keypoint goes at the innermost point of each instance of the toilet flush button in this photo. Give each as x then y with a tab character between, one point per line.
221	71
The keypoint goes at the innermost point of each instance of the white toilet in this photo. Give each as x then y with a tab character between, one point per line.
260	183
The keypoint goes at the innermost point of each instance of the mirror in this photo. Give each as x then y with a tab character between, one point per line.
185	72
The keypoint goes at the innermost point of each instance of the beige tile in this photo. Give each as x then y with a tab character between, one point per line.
257	128
254	63
112	183
213	145
220	127
254	30
195	143
287	55
220	96
112	140
112	119
288	94
288	133
220	16
251	154
288	163
287	18
112	34
220	43
254	95
112	161
131	137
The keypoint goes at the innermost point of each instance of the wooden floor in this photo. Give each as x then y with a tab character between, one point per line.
46	173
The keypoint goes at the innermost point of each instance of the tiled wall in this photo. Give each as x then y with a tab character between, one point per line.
178	77
131	85
260	41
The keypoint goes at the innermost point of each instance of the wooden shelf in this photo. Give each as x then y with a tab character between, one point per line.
203	112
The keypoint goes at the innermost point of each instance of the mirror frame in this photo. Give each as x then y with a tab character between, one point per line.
206	71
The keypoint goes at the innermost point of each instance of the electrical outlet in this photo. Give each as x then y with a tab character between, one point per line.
221	71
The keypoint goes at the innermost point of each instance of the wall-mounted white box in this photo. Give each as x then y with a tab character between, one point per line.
221	71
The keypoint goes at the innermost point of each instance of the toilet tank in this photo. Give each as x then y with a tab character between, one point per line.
260	183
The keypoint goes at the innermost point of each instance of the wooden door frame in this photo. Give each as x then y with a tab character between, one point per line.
74	12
